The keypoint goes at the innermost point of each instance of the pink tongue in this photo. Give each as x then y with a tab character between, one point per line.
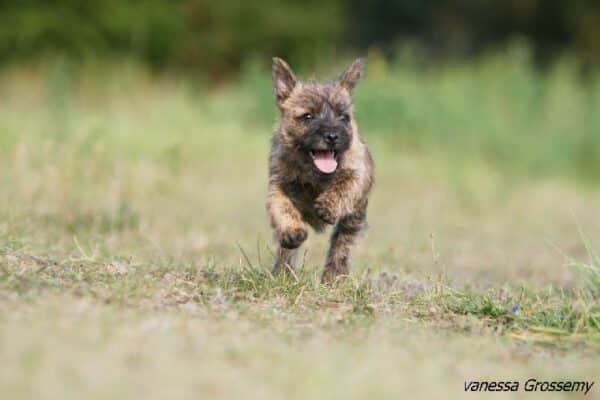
325	161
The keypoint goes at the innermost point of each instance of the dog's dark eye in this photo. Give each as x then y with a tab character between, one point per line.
305	117
345	118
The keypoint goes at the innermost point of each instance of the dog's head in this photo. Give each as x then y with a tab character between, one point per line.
316	119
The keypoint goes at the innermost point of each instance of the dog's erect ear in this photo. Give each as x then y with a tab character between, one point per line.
352	75
284	80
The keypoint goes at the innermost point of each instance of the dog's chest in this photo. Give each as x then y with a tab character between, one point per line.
303	196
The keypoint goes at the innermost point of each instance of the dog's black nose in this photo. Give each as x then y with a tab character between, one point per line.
331	137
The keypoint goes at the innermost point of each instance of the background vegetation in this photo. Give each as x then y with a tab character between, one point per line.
505	65
216	38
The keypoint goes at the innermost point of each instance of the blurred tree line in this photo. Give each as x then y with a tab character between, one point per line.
217	37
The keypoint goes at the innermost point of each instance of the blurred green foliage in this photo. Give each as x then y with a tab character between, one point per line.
207	36
467	27
498	106
217	37
497	110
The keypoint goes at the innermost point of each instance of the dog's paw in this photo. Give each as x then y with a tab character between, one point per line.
334	274
292	238
324	212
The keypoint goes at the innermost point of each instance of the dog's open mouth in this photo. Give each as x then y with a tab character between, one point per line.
324	160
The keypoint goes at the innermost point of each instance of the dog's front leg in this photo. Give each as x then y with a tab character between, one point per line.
290	229
339	198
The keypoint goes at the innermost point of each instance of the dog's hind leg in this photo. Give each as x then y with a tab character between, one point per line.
344	236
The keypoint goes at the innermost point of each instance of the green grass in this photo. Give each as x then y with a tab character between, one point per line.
135	249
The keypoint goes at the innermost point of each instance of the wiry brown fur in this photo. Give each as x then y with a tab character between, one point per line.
299	196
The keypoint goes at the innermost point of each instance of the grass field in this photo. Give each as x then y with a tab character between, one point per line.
135	249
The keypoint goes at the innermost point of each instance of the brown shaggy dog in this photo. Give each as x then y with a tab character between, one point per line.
320	170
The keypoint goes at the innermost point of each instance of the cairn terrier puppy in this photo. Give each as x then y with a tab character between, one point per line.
320	170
